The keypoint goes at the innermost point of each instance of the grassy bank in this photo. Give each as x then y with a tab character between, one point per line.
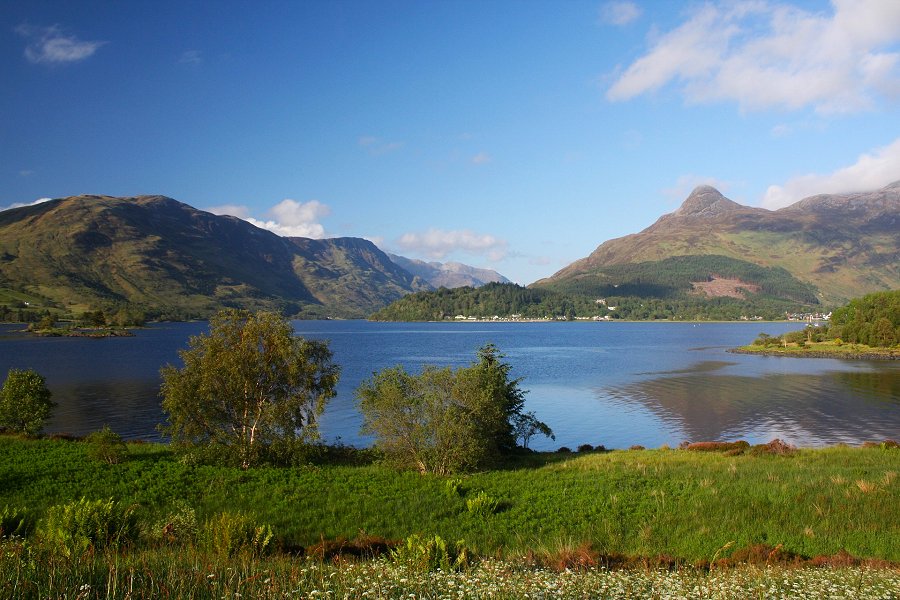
826	349
692	506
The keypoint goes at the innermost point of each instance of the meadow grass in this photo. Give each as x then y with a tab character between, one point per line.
30	572
691	506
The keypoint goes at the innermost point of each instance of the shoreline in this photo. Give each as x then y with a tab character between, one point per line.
880	355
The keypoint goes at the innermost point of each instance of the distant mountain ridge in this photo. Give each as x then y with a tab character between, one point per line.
450	274
174	260
844	245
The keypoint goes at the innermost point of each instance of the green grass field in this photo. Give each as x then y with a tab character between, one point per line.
686	505
623	524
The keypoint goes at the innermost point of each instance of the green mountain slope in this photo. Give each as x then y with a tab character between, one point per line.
842	245
171	259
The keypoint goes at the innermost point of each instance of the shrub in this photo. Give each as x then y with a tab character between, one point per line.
585	448
15	522
107	446
178	527
482	505
732	448
432	553
564	450
776	447
233	533
84	525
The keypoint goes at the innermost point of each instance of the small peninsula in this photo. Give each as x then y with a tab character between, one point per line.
867	328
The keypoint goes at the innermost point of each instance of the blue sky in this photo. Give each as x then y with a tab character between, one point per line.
512	135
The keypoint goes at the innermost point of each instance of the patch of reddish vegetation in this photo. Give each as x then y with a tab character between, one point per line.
719	287
740	445
363	546
586	557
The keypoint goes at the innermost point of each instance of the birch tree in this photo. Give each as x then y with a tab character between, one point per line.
247	384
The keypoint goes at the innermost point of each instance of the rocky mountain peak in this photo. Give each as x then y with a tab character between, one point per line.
706	201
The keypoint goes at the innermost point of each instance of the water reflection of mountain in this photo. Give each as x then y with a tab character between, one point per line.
835	407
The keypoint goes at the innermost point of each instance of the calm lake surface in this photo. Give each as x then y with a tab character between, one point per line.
615	384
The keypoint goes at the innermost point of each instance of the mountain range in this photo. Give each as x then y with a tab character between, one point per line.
173	260
449	275
836	246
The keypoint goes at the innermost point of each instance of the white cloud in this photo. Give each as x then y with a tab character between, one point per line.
619	13
49	45
288	218
870	172
21	204
764	54
482	158
437	243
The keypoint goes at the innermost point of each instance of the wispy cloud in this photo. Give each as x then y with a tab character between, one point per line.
376	146
870	171
438	243
21	204
482	158
50	45
287	218
191	57
619	13
764	55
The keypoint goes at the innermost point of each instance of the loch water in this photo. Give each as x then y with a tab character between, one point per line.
615	384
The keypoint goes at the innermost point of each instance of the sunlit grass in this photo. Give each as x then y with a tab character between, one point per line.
683	504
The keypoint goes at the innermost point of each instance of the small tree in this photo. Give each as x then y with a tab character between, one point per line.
107	446
246	384
25	402
443	421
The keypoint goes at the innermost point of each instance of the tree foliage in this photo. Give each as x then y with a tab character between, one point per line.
873	320
247	384
647	293
25	402
443	420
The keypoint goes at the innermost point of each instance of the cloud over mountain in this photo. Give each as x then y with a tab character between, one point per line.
438	243
289	217
768	55
870	171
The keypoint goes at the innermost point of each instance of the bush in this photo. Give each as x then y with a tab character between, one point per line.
482	505
178	527
107	446
585	448
233	533
83	525
24	402
776	447
432	553
15	522
728	447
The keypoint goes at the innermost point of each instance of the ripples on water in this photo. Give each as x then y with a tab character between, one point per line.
615	384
